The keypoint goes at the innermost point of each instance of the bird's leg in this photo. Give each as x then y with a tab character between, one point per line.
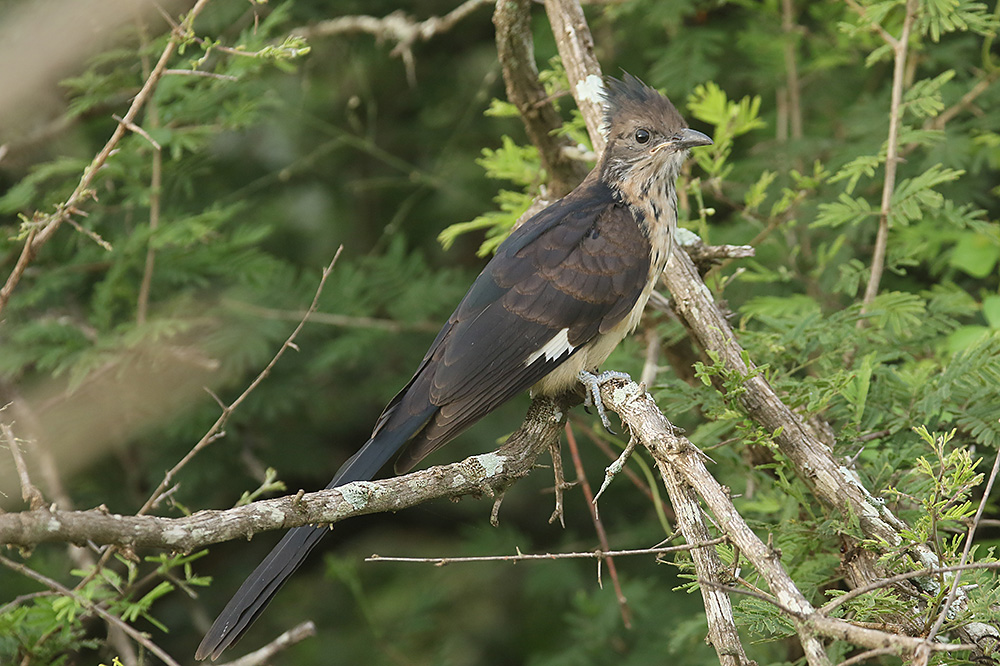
612	470
593	383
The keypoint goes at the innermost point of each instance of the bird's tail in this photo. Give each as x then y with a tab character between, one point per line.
258	589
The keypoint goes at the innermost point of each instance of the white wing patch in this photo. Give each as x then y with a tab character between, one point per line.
553	349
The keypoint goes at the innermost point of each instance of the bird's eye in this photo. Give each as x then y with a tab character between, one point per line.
642	135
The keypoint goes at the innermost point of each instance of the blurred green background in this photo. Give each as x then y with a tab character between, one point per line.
283	157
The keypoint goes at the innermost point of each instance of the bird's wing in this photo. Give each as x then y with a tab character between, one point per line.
566	276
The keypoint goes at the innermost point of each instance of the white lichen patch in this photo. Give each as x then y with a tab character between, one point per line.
174	534
591	88
272	513
53	524
492	463
686	237
458	481
359	493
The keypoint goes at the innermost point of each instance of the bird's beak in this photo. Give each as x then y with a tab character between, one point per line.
689	138
686	138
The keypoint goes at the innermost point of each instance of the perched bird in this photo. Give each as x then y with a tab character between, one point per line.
559	295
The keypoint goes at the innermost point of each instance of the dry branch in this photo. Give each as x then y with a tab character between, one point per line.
833	483
516	53
675	454
486	474
396	27
265	654
576	48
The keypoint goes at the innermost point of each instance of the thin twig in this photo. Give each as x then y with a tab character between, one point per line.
559	484
898	578
111	618
155	187
31	494
333	319
227	411
294	635
966	550
198	72
663	507
966	101
889	39
138	130
602	535
521	557
868	654
215	432
900	50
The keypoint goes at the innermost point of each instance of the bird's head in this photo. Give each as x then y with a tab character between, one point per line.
647	139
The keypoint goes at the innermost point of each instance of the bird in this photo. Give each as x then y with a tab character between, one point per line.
557	297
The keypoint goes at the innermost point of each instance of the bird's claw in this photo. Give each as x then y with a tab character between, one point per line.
592	383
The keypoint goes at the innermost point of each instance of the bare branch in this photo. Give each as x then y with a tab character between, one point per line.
485	474
832	483
900	49
516	53
690	519
294	635
576	49
522	557
31	494
676	453
396	27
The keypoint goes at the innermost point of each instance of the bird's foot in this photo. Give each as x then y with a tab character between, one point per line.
593	383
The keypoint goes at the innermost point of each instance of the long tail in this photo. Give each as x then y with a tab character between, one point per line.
258	589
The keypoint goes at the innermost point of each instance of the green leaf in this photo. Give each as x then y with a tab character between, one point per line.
991	310
914	196
856	390
519	164
846	210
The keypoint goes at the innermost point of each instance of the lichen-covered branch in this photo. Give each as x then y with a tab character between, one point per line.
675	454
486	474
